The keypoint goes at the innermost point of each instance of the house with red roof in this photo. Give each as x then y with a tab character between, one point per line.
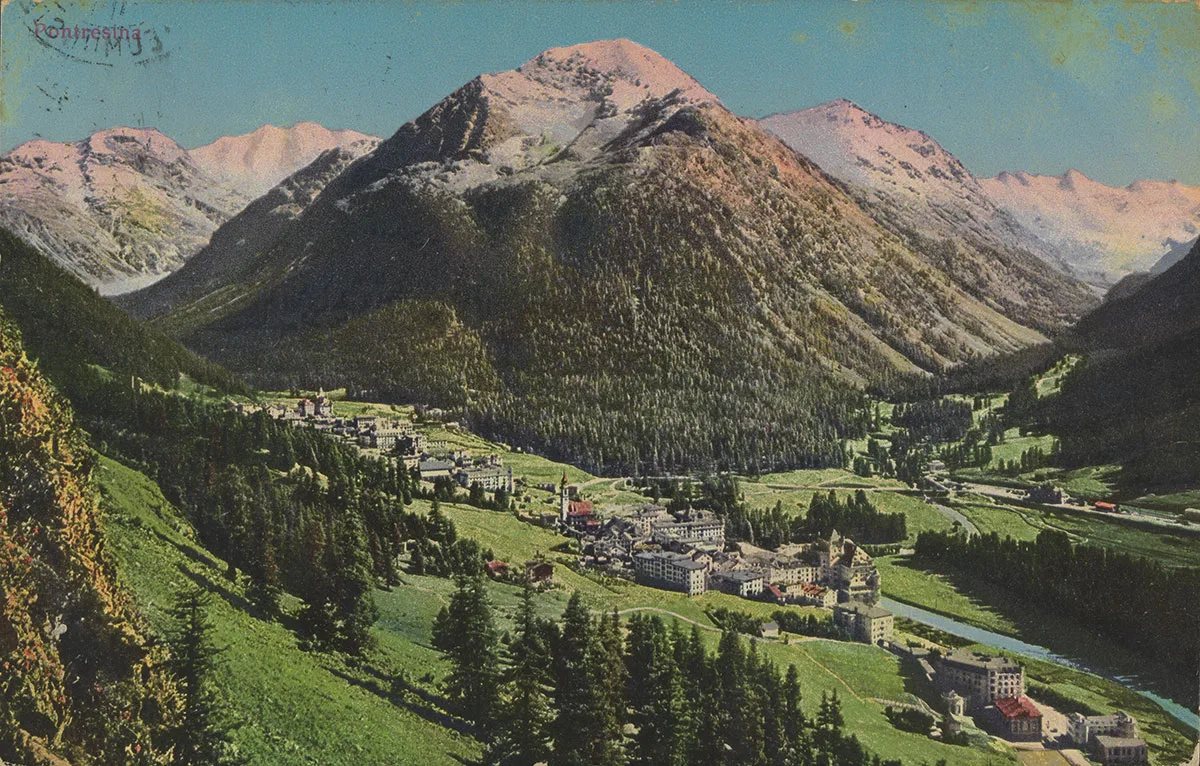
1017	719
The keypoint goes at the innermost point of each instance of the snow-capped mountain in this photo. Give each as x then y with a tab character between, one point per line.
1112	231
119	209
255	162
904	175
126	206
234	247
607	159
561	108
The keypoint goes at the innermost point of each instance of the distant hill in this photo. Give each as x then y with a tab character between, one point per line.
1102	231
118	209
67	326
649	278
233	254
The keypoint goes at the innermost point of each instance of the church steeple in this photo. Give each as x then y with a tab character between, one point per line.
564	499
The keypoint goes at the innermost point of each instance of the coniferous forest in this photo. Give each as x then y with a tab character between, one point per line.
589	690
1088	583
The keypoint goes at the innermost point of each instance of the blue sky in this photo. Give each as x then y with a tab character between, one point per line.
1112	89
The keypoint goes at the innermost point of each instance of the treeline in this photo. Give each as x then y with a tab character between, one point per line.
855	516
934	420
1149	609
789	621
584	692
291	508
1031	459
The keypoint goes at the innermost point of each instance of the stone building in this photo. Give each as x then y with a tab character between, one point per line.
980	678
1109	750
737	583
489	477
869	624
672	571
848	569
1081	728
1017	719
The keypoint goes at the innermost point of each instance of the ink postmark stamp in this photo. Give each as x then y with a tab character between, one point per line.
107	36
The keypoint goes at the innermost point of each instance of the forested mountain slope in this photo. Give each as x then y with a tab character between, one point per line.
1136	398
636	277
67	326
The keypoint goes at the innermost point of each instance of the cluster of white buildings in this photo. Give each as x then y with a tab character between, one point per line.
1110	738
395	436
685	551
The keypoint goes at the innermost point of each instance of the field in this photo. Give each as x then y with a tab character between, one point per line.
909	584
1024	523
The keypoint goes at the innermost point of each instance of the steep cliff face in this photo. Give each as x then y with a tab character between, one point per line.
78	678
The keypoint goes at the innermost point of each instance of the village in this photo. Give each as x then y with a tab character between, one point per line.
971	694
686	551
392	438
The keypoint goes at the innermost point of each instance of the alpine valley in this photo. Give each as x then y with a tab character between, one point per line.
585	421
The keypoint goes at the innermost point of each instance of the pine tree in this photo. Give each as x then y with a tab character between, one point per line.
201	737
575	728
353	606
466	634
609	679
525	711
657	696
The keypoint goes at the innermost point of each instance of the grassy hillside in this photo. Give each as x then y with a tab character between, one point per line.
287	706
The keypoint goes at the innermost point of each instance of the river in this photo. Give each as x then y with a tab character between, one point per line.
1017	646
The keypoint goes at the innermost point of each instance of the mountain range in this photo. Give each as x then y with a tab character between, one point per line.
1103	232
597	203
1098	233
255	162
126	206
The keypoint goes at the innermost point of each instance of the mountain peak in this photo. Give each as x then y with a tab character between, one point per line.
1072	179
258	160
621	62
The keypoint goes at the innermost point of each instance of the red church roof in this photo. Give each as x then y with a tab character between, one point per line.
580	508
1017	707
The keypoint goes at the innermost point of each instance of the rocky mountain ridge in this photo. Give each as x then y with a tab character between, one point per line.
126	206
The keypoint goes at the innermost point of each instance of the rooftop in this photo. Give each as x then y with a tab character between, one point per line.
681	560
980	661
1107	741
1017	707
874	612
740	576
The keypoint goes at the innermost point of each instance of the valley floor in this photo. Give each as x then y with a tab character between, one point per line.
288	705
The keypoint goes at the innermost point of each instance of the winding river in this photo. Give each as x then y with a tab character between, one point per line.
1017	646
